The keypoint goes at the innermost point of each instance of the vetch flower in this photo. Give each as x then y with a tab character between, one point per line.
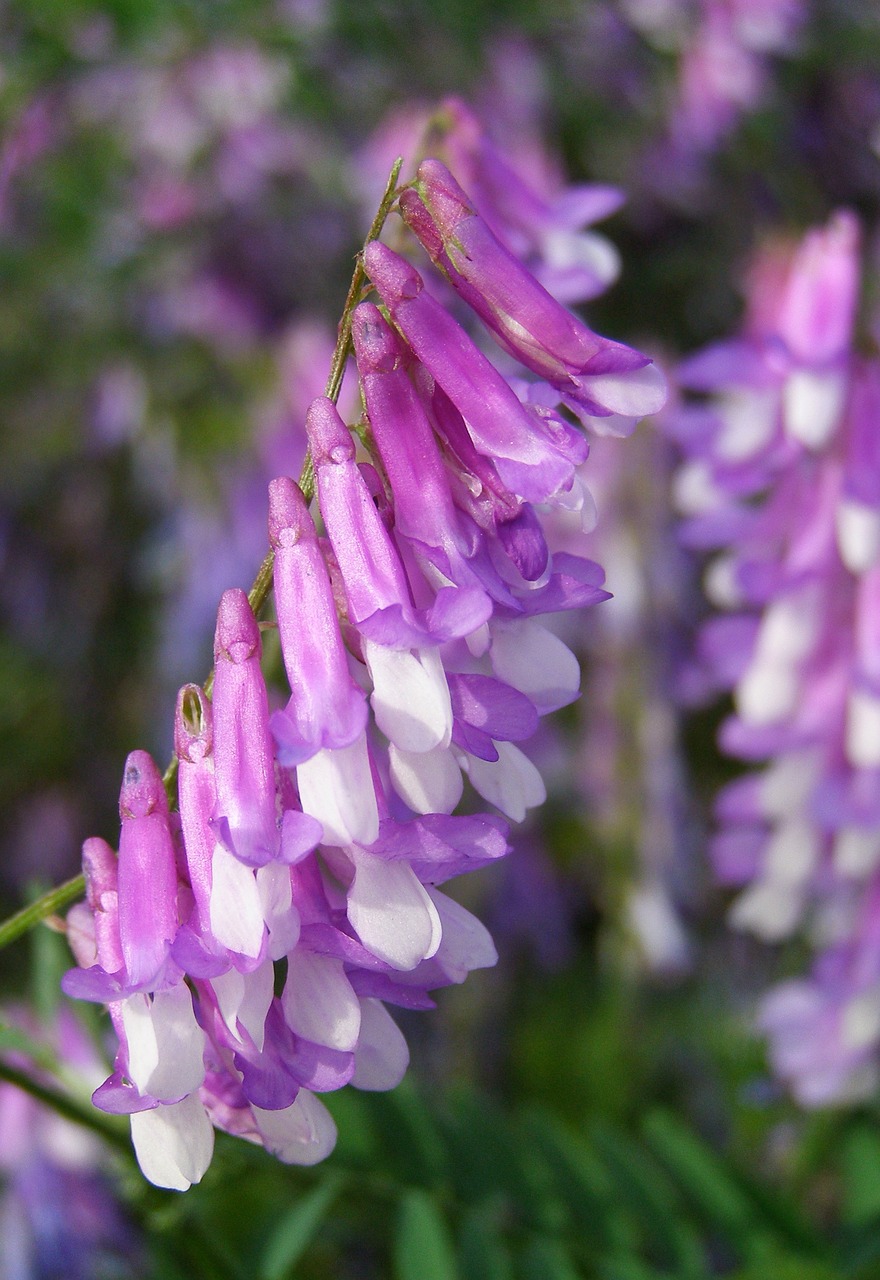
592	374
247	949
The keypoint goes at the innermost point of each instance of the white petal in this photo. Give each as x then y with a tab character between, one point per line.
860	1021
382	1055
721	583
165	1043
856	851
633	393
511	782
793	851
391	912
245	998
410	698
319	1001
428	781
302	1133
863	729
281	916
790	627
768	691
813	403
336	787
748	421
561	249
236	912
140	1037
694	489
535	661
467	943
173	1144
858	535
180	1043
657	928
786	784
771	909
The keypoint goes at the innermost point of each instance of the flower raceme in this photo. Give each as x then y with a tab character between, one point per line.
780	481
248	941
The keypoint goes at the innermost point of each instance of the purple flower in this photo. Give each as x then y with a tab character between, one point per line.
500	427
147	884
245	814
593	375
326	708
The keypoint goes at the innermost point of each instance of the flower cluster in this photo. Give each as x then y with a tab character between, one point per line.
248	943
782	480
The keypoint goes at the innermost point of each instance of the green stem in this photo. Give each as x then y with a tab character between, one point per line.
262	585
61	896
65	1106
358	281
55	899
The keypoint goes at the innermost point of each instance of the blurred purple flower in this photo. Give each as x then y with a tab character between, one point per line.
779	482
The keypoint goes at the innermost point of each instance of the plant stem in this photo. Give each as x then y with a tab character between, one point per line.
65	1106
44	906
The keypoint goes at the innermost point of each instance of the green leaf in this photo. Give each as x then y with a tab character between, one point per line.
546	1259
593	1207
787	1267
414	1151
860	1161
643	1187
703	1178
422	1245
297	1228
490	1155
632	1269
482	1252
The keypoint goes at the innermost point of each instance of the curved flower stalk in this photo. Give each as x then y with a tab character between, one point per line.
543	221
781	483
248	944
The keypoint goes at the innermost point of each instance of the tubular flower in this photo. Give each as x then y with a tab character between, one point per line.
780	483
248	945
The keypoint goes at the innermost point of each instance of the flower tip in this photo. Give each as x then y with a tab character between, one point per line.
193	724
100	868
329	437
444	198
237	636
289	519
377	347
142	789
392	275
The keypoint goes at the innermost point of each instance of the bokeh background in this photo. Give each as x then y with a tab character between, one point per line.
183	188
